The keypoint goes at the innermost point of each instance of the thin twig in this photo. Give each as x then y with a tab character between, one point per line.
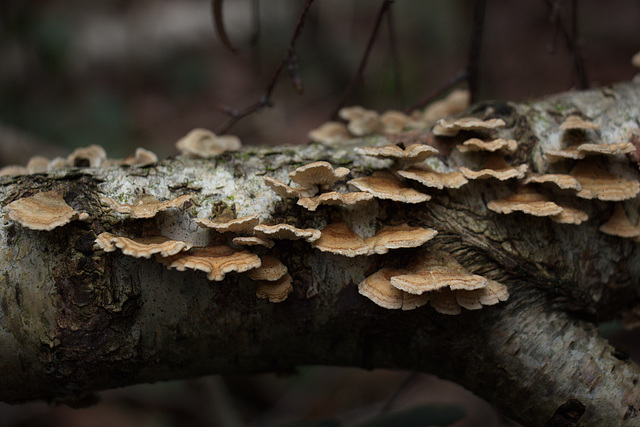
357	78
236	115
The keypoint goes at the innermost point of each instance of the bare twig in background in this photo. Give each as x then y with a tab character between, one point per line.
357	77
265	101
570	37
218	20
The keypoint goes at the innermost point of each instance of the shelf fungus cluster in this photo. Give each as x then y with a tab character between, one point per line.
579	170
43	211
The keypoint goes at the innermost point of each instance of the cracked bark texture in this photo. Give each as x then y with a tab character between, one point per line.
74	320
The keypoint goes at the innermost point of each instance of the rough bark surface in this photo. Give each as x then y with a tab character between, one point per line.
74	319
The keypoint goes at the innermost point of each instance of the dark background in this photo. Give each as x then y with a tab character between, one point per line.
124	74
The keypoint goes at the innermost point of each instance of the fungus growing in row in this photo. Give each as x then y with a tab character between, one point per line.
334	198
270	269
619	224
216	261
252	241
141	157
38	164
571	153
570	215
452	128
414	153
225	224
13	170
525	200
436	270
399	236
286	232
378	289
385	185
330	132
617	149
338	238
147	206
287	192
204	144
476	144
575	122
598	183
562	181
87	157
495	166
394	121
276	291
317	173
141	247
430	178
43	211
362	122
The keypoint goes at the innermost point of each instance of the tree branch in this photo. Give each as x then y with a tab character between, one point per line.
74	319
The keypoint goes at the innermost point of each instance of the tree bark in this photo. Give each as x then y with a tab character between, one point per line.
74	319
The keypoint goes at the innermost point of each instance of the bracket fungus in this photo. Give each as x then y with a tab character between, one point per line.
619	224
216	261
204	144
444	301
362	122
141	247
495	166
334	198
414	153
437	270
377	287
385	185
394	121
330	132
616	149
562	181
570	215
452	128
286	232
287	192
43	211
38	164
598	183
147	206
399	236
270	269
500	144
252	241
317	173
141	157
276	291
338	238
430	178
525	200
223	224
87	157
575	122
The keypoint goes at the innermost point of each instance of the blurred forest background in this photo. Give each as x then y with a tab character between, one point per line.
127	74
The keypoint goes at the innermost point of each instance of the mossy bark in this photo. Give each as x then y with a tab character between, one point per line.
74	319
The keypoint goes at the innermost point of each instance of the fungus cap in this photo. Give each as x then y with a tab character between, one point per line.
616	149
286	232
575	122
13	170
204	144
244	224
141	157
399	236
147	206
285	191
619	224
444	301
252	241
496	167
334	198
394	121
433	179
476	144
492	294
141	247
385	185
330	132
216	261
570	152
563	181
377	287
275	291
635	60
270	269
87	157
361	121
338	238
570	215
43	211
525	200
598	183
455	102
414	153
38	164
452	128
317	173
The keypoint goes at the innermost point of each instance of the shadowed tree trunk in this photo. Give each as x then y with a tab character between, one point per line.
75	319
